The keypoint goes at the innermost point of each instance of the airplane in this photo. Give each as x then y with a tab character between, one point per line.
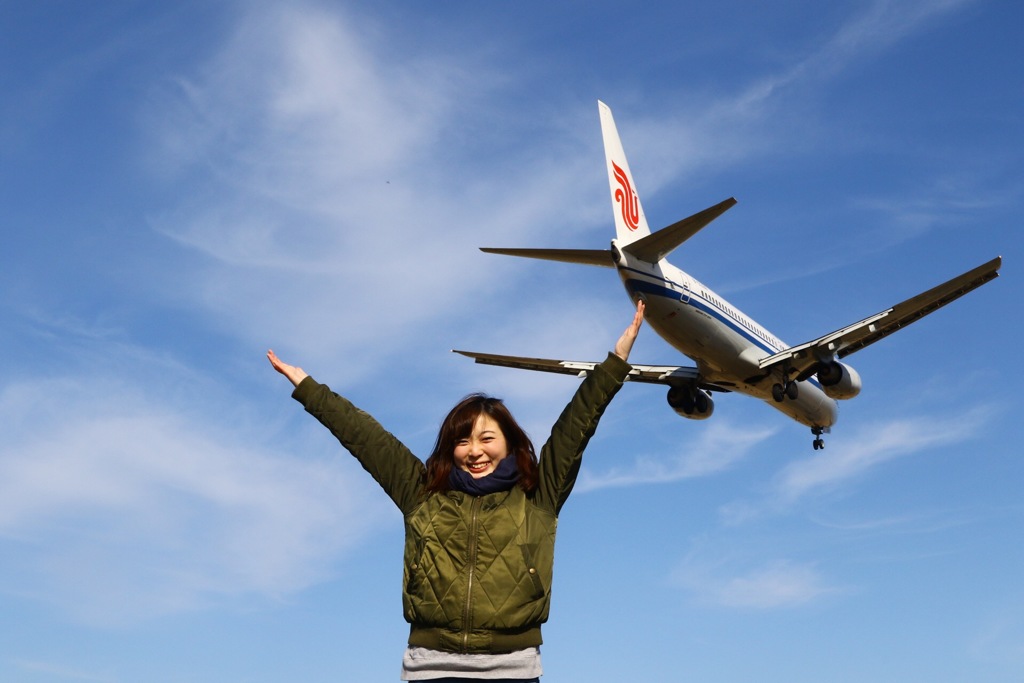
732	352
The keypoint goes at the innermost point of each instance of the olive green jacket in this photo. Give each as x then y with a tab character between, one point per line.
478	569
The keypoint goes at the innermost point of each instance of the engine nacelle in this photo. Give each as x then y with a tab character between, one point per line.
839	381
690	402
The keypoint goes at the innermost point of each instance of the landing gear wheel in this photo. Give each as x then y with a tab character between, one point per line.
778	393
819	444
792	390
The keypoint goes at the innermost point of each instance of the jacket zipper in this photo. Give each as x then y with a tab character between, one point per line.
468	607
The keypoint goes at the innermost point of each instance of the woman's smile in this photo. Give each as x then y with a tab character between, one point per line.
481	451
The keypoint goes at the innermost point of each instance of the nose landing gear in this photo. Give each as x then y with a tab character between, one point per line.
819	443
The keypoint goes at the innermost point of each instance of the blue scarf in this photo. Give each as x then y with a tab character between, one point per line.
503	478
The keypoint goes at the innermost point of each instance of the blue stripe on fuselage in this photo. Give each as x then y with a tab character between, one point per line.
696	301
634	285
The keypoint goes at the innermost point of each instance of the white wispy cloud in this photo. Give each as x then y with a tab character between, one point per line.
60	672
775	584
1000	639
844	464
875	445
115	505
728	127
878	26
333	185
778	584
719	447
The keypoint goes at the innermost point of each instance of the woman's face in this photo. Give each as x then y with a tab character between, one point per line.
481	451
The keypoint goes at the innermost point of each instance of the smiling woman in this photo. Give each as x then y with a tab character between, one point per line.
472	449
482	451
480	518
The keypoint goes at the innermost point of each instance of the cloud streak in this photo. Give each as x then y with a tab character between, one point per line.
318	171
125	508
720	447
845	463
775	584
57	671
728	128
876	445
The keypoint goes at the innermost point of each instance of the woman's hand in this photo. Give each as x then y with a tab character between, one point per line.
625	343
293	373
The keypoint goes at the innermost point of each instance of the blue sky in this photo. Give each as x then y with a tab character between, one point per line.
184	185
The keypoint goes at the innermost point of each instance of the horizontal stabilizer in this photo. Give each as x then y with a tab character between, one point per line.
660	244
590	257
653	374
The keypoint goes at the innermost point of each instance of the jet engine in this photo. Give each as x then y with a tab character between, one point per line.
839	381
691	402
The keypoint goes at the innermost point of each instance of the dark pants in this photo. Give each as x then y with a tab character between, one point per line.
489	680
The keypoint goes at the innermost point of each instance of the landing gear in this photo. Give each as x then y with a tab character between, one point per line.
819	443
792	390
788	390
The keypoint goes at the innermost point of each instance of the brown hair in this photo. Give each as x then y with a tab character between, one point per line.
459	425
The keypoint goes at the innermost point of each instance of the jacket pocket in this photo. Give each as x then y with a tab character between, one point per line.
532	571
414	567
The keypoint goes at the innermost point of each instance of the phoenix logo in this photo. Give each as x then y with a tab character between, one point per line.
626	198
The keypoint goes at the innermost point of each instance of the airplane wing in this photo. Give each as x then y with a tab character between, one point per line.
653	374
841	343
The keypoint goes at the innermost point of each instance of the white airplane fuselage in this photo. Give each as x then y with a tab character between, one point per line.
725	343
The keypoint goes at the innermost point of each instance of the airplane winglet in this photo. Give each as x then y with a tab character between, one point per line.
660	244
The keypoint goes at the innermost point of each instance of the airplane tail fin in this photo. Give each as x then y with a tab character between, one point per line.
630	222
